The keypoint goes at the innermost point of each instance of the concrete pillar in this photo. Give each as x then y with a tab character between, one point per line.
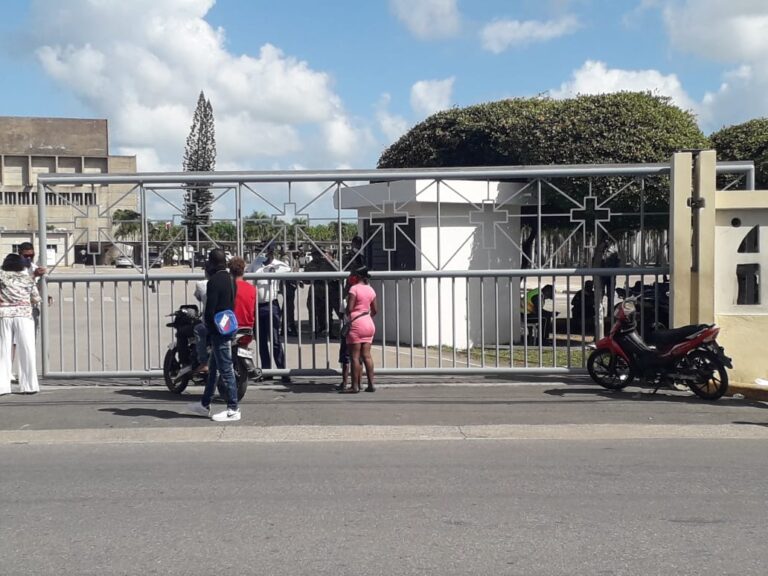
703	279
680	253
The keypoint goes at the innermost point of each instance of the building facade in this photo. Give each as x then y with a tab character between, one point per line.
33	146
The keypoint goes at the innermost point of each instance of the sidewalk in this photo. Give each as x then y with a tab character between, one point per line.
397	403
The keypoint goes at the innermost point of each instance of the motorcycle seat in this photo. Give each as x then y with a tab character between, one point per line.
674	335
244	332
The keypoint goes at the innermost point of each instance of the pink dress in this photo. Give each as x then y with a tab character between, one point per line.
362	329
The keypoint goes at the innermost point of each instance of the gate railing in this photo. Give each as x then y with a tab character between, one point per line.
429	322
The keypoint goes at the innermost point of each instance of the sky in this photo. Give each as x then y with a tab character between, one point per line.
302	84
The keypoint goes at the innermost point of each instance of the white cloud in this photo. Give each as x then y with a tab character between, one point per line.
141	64
391	125
596	78
734	31
500	35
428	19
430	96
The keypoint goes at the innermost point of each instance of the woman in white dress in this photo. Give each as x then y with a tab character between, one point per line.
18	295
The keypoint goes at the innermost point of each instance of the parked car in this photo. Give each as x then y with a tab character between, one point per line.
155	260
123	262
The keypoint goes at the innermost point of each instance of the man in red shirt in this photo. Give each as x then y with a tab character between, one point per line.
245	297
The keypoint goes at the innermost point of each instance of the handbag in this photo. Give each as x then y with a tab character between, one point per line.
346	326
226	321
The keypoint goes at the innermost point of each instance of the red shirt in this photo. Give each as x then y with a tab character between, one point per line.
245	304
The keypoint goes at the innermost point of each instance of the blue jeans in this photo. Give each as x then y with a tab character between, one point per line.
221	362
201	344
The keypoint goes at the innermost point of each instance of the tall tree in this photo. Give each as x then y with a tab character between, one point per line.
199	156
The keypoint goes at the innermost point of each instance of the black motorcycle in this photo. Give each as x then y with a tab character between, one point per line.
181	352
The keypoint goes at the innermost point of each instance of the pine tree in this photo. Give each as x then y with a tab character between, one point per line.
199	156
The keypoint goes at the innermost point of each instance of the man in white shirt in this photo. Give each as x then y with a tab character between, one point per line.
270	314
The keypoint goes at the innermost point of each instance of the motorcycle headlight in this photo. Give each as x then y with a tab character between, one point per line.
628	307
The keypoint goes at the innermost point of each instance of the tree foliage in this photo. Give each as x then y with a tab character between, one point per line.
625	127
199	156
747	141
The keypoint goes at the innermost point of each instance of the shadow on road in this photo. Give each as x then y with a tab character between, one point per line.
649	396
741	423
160	414
159	394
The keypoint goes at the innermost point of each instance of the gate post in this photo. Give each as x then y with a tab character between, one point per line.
680	245
703	276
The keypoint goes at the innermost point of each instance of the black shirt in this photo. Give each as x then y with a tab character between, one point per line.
220	295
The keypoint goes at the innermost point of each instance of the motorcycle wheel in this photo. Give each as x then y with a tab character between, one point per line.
713	377
171	368
599	368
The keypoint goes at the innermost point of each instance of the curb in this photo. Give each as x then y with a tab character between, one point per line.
749	391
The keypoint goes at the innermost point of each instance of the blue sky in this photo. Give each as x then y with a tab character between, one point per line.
307	84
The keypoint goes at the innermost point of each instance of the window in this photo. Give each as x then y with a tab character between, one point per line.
16	171
748	276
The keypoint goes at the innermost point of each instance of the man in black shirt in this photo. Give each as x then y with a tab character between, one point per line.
220	296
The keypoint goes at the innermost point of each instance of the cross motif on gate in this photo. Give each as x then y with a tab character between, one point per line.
290	216
389	223
590	215
489	218
96	226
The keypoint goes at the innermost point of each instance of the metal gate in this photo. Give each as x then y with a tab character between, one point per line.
455	256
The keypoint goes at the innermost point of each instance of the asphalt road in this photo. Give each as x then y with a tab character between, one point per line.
597	507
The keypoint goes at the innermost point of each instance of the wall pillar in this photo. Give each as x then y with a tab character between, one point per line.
680	246
703	277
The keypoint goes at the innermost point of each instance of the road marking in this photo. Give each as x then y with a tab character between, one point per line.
278	434
124	299
108	299
68	299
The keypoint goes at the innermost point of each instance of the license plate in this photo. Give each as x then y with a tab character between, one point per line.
244	353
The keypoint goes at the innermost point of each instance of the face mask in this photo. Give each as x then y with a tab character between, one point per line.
26	261
354	280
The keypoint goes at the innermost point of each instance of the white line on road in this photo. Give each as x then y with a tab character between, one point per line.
275	434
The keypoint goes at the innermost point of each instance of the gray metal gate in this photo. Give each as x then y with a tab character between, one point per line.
455	254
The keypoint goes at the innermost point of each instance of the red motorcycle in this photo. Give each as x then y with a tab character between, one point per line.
688	356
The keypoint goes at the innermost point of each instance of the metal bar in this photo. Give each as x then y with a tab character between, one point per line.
383	371
496	315
482	322
511	295
468	310
424	309
410	299
568	317
379	275
61	325
439	322
74	324
397	323
453	320
117	325
130	324
328	320
384	324
381	175
42	237
103	325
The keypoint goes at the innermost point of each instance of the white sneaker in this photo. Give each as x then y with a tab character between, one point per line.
199	409
14	379
227	415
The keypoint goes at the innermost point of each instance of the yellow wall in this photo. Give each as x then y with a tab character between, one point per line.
744	340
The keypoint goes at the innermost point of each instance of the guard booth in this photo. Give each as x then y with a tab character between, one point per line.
450	225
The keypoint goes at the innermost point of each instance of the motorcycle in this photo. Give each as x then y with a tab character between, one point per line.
689	356
181	352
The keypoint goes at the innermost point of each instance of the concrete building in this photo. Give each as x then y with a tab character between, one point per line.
33	146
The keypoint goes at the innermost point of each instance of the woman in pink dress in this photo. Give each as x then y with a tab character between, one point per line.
361	308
